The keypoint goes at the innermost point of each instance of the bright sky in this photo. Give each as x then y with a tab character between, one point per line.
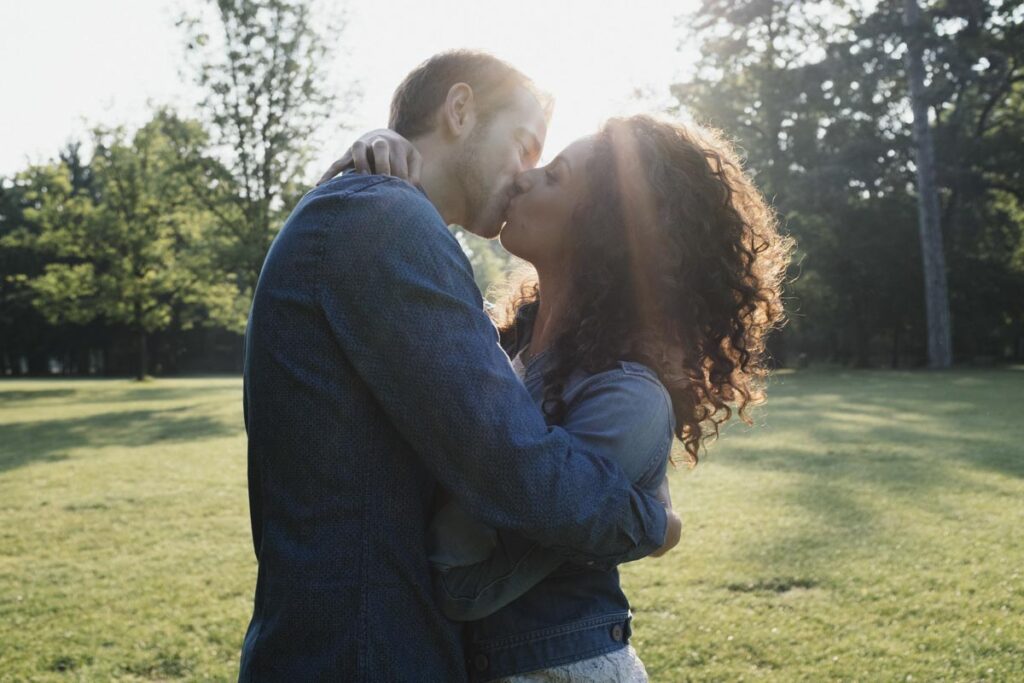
68	64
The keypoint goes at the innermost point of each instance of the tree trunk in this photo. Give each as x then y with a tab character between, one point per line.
940	342
143	355
894	361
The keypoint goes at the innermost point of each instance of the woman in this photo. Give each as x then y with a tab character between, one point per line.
658	275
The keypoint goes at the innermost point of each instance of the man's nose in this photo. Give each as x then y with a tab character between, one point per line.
522	183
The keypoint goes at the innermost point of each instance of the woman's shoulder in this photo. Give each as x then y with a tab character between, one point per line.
628	379
628	409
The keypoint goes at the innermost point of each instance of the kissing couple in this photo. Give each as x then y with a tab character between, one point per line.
439	494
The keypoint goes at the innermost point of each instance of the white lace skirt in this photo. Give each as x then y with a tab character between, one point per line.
621	666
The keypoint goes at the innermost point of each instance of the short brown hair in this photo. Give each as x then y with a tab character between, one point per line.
419	96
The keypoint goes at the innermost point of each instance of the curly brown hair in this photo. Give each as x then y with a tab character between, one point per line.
677	262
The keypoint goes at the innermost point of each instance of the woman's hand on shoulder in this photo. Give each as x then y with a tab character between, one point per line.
381	151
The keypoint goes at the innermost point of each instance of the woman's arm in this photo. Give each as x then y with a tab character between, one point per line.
625	416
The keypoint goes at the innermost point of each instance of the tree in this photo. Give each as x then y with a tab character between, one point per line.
765	77
751	75
940	338
22	329
132	253
817	95
974	58
260	65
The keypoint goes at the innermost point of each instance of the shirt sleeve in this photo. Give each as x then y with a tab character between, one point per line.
624	415
399	295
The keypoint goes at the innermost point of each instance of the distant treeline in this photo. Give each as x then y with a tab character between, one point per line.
141	254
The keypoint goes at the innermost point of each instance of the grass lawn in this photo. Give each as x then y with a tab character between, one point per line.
870	527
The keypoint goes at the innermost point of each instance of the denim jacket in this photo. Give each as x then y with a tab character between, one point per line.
372	375
531	607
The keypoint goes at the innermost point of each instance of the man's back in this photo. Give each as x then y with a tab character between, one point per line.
338	498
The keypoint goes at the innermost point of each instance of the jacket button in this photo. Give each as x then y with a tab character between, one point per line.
617	633
481	662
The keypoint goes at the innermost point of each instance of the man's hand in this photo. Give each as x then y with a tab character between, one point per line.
380	151
674	529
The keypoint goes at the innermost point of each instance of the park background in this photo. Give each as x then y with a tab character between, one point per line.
867	527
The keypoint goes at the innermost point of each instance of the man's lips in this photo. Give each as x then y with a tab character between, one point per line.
506	210
510	205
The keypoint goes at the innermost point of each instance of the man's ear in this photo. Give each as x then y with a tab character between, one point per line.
459	111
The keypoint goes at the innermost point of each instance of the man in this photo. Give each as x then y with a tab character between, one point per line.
373	377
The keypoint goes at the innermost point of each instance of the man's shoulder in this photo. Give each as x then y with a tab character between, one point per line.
360	192
363	217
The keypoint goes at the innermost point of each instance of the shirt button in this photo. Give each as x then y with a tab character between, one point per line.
617	633
481	662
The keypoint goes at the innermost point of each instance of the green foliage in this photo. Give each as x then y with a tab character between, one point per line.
25	335
260	64
866	529
137	255
814	92
132	250
490	262
165	229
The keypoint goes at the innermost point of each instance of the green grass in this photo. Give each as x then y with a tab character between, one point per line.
124	541
869	527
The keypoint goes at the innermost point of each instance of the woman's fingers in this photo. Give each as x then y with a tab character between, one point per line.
381	156
337	167
399	164
415	166
359	160
383	152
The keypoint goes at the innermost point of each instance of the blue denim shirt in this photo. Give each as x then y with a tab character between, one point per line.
532	608
372	375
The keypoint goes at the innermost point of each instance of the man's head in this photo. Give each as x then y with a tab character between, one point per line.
478	122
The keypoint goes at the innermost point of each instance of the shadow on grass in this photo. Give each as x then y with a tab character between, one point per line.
913	421
853	446
158	393
49	440
90	390
15	396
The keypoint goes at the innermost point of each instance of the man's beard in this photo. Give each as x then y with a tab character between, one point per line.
470	177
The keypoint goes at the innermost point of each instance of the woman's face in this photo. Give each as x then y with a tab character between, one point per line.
539	217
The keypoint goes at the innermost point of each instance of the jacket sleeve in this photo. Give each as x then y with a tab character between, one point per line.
625	417
398	294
